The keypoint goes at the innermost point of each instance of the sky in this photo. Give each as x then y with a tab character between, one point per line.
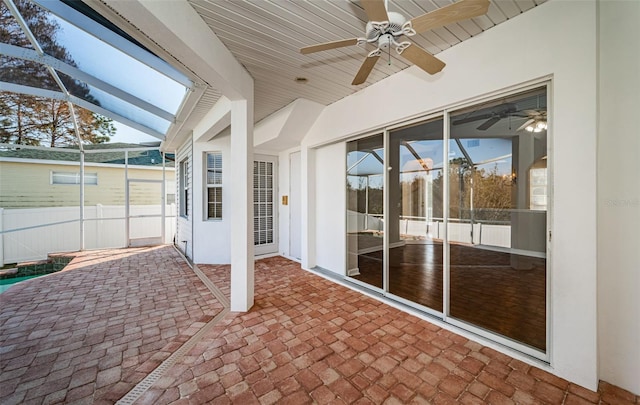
130	135
110	65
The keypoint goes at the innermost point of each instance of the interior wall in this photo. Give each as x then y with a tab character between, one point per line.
619	194
211	237
555	40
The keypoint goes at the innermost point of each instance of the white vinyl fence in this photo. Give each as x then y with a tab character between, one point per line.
28	234
483	234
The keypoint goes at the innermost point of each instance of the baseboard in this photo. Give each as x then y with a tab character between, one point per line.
379	248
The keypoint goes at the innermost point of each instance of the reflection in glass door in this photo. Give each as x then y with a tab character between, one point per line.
415	214
456	224
498	221
365	210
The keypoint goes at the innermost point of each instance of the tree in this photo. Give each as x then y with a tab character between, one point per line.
32	120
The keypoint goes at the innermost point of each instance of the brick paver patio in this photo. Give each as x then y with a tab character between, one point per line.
89	334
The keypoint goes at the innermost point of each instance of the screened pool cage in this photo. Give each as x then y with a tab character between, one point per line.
84	196
63	199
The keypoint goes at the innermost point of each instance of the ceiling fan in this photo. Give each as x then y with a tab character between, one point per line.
385	28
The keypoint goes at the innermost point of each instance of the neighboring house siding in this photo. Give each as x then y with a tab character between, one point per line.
185	224
28	185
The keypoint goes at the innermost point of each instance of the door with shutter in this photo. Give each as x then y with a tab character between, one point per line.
265	190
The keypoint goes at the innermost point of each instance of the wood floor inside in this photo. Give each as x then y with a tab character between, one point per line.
497	291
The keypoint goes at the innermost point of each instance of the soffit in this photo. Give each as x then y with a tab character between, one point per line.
266	35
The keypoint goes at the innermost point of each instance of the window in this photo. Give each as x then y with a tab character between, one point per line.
184	188
214	185
263	196
73	178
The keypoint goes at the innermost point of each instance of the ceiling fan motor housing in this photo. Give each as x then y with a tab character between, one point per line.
396	21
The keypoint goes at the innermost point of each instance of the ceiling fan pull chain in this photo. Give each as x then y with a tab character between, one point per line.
389	51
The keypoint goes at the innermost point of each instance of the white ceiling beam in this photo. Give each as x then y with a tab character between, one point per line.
214	122
48	61
58	95
180	30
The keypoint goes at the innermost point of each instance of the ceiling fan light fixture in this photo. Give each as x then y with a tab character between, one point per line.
537	126
384	26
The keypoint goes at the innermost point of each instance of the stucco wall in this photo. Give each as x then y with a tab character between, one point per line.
555	41
212	236
619	194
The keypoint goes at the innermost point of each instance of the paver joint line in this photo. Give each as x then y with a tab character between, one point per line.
144	385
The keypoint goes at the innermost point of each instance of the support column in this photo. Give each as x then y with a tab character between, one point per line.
241	166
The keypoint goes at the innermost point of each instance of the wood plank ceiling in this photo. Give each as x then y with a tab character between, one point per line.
266	36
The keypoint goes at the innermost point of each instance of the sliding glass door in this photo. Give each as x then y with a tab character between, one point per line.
415	214
449	215
498	222
365	210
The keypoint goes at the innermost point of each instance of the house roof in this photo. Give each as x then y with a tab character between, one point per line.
111	153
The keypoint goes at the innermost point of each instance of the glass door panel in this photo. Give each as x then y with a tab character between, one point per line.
365	210
497	210
415	214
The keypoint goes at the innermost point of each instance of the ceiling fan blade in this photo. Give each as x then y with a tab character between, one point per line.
365	69
472	119
452	13
488	123
375	9
526	124
329	45
423	59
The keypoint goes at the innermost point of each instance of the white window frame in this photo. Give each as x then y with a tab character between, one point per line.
90	179
184	188
215	183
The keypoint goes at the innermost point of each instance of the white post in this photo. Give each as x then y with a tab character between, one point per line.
82	200
99	224
163	208
1	238
240	165
126	198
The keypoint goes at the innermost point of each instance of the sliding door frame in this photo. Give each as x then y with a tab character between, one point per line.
444	113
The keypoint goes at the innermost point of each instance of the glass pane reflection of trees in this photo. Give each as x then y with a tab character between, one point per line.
496	227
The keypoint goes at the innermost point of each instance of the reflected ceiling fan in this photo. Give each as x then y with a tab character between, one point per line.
384	29
536	120
490	118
